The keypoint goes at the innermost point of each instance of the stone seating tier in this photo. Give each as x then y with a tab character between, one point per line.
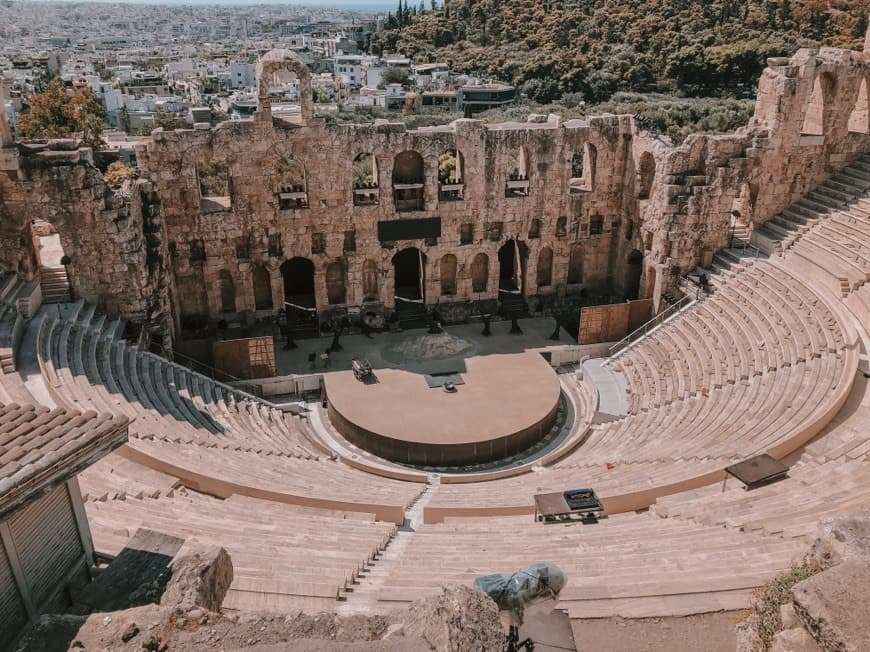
284	557
182	418
683	568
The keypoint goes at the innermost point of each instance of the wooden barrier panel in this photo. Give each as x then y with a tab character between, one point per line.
611	322
251	357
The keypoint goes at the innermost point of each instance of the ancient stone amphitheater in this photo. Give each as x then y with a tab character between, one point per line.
773	359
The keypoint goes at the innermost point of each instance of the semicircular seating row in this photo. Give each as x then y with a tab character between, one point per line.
209	435
760	321
793	366
775	361
633	565
831	474
299	525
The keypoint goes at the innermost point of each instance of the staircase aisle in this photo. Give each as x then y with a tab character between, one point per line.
54	284
364	597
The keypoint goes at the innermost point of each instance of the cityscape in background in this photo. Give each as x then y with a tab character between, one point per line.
174	66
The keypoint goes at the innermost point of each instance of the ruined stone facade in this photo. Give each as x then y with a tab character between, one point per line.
234	220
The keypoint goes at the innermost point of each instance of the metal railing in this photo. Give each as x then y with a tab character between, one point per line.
659	319
743	246
211	372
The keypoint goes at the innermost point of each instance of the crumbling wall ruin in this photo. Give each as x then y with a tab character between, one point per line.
811	119
592	206
112	239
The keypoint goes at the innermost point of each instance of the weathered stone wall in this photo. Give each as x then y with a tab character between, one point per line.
17	251
114	240
641	213
253	223
796	139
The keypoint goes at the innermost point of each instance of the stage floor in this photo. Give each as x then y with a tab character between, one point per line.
503	396
508	400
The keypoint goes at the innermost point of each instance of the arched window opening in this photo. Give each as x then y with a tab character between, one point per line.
283	75
408	182
448	275
480	273
262	289
545	268
517	182
292	187
583	163
859	119
450	176
365	180
596	225
335	286
817	107
370	280
535	229
646	175
466	233
214	186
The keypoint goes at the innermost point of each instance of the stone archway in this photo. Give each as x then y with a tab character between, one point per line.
370	280
276	61
227	291
511	266
575	265
634	270
408	267
545	268
298	275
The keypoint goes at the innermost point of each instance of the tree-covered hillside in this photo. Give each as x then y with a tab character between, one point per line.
549	48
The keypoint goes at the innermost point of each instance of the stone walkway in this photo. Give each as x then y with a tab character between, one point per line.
612	397
407	349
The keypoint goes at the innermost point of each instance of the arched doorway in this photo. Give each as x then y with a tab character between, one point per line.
408	266
633	274
511	266
298	275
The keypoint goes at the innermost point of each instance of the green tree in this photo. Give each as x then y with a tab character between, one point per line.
57	113
395	75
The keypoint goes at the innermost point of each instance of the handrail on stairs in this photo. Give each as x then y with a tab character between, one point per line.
657	320
743	246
